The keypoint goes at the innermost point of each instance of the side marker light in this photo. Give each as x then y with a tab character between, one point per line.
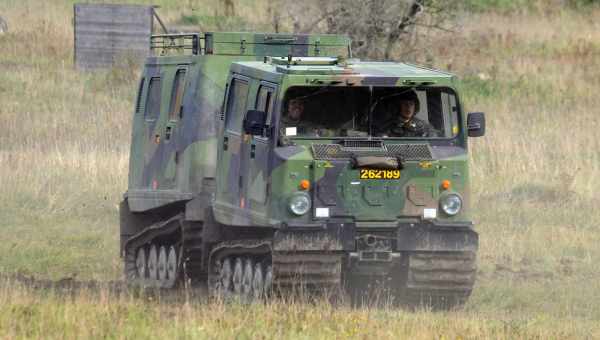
304	184
446	184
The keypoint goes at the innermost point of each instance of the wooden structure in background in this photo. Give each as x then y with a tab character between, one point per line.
109	34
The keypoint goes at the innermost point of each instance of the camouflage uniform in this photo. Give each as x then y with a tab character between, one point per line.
414	127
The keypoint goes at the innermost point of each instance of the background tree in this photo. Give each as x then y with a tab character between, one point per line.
380	29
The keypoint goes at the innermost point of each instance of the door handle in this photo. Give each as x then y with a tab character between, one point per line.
252	151
225	143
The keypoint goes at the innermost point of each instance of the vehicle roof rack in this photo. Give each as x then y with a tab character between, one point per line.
177	44
251	44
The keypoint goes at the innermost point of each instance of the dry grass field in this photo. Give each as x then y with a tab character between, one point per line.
64	145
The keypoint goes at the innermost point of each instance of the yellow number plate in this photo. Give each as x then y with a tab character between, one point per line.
379	174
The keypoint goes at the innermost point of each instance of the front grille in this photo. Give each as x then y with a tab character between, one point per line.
348	150
362	144
411	151
330	151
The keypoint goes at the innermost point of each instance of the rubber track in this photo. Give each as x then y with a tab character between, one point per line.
227	248
146	236
312	270
290	269
440	279
192	254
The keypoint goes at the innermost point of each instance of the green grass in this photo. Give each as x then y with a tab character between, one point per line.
63	168
61	246
93	315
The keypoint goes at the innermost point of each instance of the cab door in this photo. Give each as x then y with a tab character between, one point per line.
170	158
257	153
161	119
152	127
230	178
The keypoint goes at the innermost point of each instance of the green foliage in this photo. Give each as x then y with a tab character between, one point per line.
63	167
495	5
515	5
478	87
583	3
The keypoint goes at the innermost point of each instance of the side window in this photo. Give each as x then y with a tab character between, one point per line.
264	100
138	102
451	113
236	105
175	108
423	107
443	112
153	100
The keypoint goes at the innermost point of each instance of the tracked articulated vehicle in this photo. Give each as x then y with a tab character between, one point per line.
224	189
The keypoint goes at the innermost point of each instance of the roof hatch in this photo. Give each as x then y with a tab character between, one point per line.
310	65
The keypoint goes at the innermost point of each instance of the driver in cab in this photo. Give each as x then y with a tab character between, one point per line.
405	123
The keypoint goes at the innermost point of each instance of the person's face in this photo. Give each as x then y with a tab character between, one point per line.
407	109
295	109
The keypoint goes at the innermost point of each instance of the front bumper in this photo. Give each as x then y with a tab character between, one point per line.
423	236
437	237
332	236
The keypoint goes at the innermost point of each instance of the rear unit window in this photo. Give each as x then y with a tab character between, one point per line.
153	100
138	102
177	95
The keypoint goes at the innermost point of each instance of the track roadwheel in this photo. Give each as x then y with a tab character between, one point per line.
258	282
162	266
268	285
140	263
225	277
238	272
171	267
153	264
247	279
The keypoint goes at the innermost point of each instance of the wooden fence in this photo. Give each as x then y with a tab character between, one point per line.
107	34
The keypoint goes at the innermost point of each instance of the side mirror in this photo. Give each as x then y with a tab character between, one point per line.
476	124
254	123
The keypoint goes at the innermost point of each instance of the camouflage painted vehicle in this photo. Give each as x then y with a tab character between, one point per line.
224	188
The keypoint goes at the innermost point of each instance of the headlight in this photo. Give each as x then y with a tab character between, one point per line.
300	204
451	204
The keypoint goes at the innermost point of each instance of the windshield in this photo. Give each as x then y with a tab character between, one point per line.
387	112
